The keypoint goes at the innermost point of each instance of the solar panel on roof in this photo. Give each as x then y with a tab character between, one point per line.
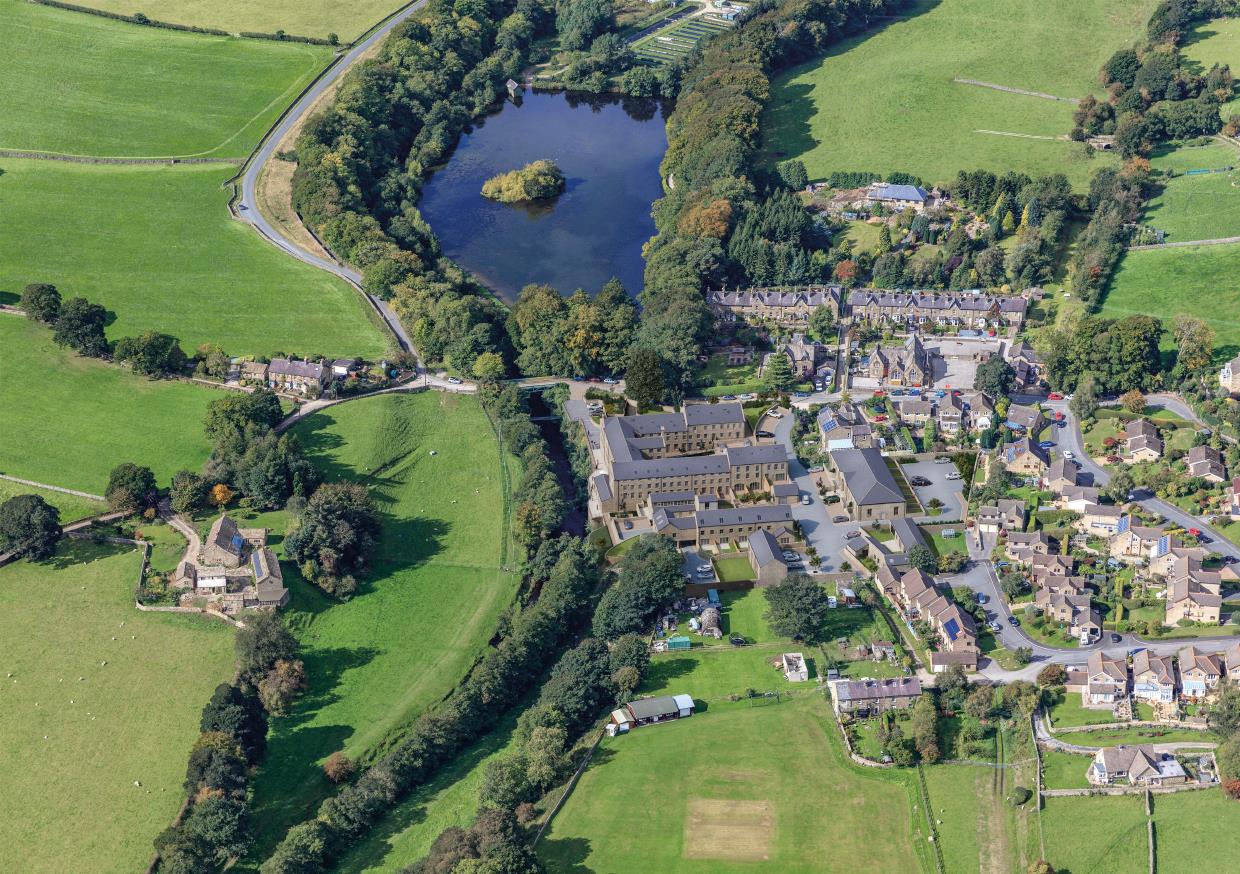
952	629
237	541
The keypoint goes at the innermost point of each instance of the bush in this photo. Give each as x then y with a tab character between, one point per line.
339	768
1019	795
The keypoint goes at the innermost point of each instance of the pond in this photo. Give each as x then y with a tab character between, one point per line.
609	149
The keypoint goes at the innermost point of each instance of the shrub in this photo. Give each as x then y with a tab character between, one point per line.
1019	795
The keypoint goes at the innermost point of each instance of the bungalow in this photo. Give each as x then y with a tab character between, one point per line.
1025	457
1140	765
648	711
1142	441
1076	498
766	558
298	377
897	197
1106	680
1200	672
941	661
1206	462
1153	677
867	696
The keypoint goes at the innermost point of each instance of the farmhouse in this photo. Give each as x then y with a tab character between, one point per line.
233	570
648	711
1139	765
227	545
897	197
1142	441
788	307
254	371
867	696
1200	672
297	377
1153	677
865	484
955	309
1206	462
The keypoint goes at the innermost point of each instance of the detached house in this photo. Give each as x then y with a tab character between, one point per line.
804	355
897	197
1193	594
1132	543
842	426
1232	657
1106	680
1025	418
297	377
1021	545
909	364
1153	677
1005	515
1061	475
1143	441
1025	457
1139	765
865	484
1207	463
1101	520
1026	364
1200	672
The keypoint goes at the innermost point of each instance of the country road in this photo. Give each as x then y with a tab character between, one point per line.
247	205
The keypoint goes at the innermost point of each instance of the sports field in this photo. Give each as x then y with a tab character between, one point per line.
1203	207
317	18
1096	834
1216	42
887	100
84	85
100	711
426	612
71	506
156	245
1197	280
735	789
69	420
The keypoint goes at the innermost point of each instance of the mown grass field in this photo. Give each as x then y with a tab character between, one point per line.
70	420
1096	834
1197	207
70	763
84	85
427	610
1194	280
1216	42
317	18
886	100
1190	832
735	789
71	507
156	246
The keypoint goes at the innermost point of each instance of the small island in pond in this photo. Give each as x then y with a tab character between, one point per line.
538	180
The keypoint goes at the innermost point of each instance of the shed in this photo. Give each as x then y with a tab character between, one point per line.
795	668
679	642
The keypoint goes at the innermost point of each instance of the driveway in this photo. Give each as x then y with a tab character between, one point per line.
946	490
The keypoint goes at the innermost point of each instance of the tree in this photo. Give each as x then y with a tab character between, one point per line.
228	416
1013	584
922	558
994	376
883	246
952	562
216	761
131	487
1052	675
263	642
1023	655
1224	716
221	494
239	715
188	492
822	323
643	380
335	536
339	768
797	607
29	527
1120	485
489	367
301	852
1041	866
223	825
1085	402
650	578
283	683
925	730
1132	401
1194	342
793	174
41	302
980	702
80	327
151	354
778	374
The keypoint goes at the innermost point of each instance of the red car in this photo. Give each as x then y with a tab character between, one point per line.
1195	532
1059	417
878	393
1054	396
880	418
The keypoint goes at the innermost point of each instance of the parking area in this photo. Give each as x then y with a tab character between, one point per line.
947	491
693	559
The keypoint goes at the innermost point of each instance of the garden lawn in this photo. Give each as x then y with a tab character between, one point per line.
71	507
943	545
913	117
156	246
1197	207
1191	832
316	18
1216	42
1062	770
1194	280
424	614
735	568
1096	834
712	674
118	697
735	789
1068	712
70	420
1137	734
84	85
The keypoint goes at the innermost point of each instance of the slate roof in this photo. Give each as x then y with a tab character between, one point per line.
303	369
865	471
876	690
812	296
765	549
937	301
908	193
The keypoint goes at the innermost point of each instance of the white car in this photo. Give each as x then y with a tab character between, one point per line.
1069	454
955	474
791	556
454	380
704	569
747	397
774	413
807	499
832	603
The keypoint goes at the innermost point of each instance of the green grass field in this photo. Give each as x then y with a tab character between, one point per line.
85	85
1062	770
734	568
886	100
1067	712
735	789
1187	822
1098	835
1197	207
70	763
316	18
1109	737
71	507
1182	158
1196	280
971	818
426	612
156	246
1216	42
78	418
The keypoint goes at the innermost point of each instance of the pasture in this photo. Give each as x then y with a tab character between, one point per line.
1096	834
1216	42
735	789
156	246
71	507
1194	280
1200	207
84	85
70	420
887	101
317	18
422	616
1187	821
99	715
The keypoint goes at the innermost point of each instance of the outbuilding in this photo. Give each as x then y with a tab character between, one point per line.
647	711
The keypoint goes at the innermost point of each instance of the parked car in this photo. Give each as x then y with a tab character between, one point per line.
839	520
595	379
611	381
852	534
807	500
454	380
995	626
1115	638
774	413
728	398
953	474
764	433
832	603
914	392
748	397
1013	621
878	392
1054	396
800	394
1195	532
789	555
1046	444
897	392
919	481
703	567
628	524
880	418
1069	454
943	460
982	598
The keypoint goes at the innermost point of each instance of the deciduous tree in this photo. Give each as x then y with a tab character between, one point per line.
131	487
29	526
797	607
41	302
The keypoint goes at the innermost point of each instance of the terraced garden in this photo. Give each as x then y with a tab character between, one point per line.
675	42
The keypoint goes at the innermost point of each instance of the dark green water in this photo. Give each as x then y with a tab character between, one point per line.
609	151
